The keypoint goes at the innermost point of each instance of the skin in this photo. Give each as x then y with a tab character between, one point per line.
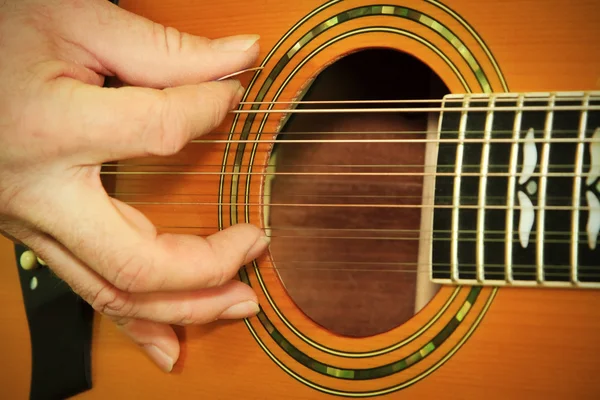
58	125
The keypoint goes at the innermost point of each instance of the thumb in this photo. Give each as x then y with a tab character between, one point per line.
143	53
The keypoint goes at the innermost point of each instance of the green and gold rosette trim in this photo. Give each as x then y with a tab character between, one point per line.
296	362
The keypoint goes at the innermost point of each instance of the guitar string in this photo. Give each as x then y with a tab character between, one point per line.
388	132
331	174
516	268
446	100
122	195
421	268
475	97
413	141
289	141
548	273
262	260
490	232
400	141
349	170
452	98
592	276
288	194
382	110
491	276
408	239
400	132
472	199
379	230
478	166
356	205
582	235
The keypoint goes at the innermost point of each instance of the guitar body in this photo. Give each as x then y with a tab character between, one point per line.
347	332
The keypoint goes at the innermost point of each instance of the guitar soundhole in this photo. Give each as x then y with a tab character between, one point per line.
347	257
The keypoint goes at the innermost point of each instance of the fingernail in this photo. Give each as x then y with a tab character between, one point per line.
240	310
266	239
234	43
161	358
238	96
260	243
258	248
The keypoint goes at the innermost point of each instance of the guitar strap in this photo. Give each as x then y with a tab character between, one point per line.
60	328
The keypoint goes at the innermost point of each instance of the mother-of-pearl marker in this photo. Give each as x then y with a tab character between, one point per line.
526	218
527	214
529	157
594	172
593	225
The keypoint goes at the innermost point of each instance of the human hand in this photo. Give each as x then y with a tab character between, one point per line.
58	125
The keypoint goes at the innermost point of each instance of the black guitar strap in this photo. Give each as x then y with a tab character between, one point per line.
60	328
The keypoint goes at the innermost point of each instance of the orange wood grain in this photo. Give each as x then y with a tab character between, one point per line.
532	343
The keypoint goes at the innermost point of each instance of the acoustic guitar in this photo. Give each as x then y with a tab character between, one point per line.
429	174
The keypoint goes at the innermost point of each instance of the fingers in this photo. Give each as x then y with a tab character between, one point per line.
144	53
157	340
137	260
132	122
232	300
145	318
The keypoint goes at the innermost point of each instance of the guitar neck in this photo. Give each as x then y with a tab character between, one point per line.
516	192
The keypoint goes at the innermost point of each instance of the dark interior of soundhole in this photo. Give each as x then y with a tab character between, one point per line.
345	254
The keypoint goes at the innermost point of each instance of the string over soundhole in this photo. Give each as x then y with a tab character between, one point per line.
345	241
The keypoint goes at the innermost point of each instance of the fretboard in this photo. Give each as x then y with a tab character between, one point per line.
517	191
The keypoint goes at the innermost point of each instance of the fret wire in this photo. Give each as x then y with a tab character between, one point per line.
510	196
577	194
485	155
456	194
543	188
